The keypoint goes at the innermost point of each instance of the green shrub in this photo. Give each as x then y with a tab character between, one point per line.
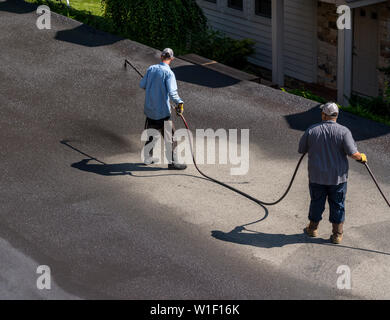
216	46
157	23
378	105
178	24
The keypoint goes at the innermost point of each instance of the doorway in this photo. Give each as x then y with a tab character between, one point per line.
365	52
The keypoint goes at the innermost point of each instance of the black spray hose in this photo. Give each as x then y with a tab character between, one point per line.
239	191
222	183
243	193
134	68
377	184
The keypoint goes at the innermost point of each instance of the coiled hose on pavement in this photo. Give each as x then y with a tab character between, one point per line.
239	191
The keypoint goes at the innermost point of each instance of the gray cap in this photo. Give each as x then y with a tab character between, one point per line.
167	53
330	109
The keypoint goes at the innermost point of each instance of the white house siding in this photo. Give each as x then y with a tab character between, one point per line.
300	33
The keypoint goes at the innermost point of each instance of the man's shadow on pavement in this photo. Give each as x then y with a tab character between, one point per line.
105	169
263	240
275	240
117	169
122	169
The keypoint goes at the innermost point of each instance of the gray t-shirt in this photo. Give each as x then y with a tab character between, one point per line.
328	144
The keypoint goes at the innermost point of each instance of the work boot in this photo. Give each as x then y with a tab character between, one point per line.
151	160
176	166
337	231
312	229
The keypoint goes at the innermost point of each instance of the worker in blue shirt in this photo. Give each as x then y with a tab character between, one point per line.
160	87
328	145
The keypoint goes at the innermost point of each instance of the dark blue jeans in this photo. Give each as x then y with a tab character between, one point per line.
336	198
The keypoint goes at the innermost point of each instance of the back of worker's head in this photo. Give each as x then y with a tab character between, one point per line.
167	54
330	111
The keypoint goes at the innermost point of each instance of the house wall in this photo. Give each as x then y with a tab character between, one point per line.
384	41
300	33
310	37
327	45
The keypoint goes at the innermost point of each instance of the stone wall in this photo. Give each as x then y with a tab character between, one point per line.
327	45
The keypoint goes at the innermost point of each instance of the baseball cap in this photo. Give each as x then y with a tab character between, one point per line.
330	109
167	53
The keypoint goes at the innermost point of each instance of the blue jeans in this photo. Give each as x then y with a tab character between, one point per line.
336	198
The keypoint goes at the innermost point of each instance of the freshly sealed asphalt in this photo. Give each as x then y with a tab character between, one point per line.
110	227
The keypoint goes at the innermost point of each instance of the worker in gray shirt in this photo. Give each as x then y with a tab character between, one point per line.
328	144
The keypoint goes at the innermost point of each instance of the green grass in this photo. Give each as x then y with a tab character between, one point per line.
88	12
92	6
364	113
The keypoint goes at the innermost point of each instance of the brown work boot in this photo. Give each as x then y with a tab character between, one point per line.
337	231
312	229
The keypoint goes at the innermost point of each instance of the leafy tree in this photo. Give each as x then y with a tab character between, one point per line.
157	23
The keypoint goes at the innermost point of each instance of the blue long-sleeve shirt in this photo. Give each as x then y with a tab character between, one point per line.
160	85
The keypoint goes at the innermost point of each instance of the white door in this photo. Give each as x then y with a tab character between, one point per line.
365	57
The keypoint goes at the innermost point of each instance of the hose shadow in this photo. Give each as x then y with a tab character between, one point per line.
121	169
117	169
241	235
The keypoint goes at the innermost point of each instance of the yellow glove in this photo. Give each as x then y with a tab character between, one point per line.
363	159
180	109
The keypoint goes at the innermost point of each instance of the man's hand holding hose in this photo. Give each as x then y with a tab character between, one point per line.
179	109
363	158
360	157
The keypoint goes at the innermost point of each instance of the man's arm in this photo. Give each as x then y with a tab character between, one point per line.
144	80
172	88
303	144
351	150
